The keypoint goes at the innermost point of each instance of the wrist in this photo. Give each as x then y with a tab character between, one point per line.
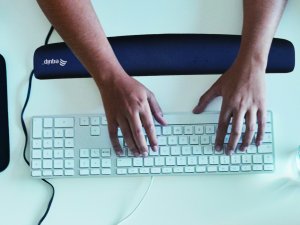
256	59
108	75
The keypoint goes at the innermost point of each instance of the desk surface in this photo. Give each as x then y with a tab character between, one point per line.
244	199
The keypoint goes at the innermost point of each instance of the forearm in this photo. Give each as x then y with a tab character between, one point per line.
261	18
82	31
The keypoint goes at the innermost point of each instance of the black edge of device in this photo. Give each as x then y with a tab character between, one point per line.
4	129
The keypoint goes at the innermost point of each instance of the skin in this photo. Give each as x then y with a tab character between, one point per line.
130	105
242	86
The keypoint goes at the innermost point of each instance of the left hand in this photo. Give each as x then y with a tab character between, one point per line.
242	87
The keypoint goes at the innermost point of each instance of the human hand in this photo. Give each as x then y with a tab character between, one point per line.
129	105
242	87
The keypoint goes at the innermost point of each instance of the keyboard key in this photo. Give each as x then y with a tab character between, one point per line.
265	148
58	164
69	153
84	121
202	160
95	152
155	170
189	169
186	150
183	140
177	130
223	168
162	140
234	168
95	131
37	128
199	129
213	160
69	133
106	171
69	172
58	133
36	143
124	162
204	139
48	122
63	122
105	152
95	171
95	163
197	150
175	150
47	163
148	161
47	154
269	167
194	140
121	171
166	170
58	153
137	162
36	164
47	143
181	160
209	129
36	173
268	159
106	163
95	121
170	161
47	133
84	172
144	170
69	143
178	169
166	130
133	170
172	140
211	169
192	160
188	129
84	153
159	161
207	150
164	150
83	163
36	154
69	163
58	142
200	169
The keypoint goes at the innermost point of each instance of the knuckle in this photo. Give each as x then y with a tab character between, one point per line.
149	126
235	133
138	132
251	128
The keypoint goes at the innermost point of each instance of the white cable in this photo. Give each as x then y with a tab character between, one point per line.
140	202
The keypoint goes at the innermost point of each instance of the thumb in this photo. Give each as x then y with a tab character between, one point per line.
205	99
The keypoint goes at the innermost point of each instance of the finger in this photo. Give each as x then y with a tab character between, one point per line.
148	125
224	120
209	95
237	124
250	129
137	134
156	110
127	135
113	135
261	122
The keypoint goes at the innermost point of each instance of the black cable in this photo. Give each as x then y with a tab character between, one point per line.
26	133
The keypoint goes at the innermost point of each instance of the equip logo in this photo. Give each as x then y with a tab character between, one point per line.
55	61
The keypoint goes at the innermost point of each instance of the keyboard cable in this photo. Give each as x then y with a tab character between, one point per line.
140	202
26	133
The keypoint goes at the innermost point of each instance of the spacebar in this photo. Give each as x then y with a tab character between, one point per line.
191	118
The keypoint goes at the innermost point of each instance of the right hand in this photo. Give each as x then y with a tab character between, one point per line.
130	105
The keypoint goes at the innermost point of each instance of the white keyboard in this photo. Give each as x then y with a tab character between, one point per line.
79	145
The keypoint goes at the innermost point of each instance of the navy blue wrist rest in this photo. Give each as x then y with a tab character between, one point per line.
163	54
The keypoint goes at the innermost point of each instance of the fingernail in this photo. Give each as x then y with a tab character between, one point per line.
243	148
145	154
218	148
230	152
155	148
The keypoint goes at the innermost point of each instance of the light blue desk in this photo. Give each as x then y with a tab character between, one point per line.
210	200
